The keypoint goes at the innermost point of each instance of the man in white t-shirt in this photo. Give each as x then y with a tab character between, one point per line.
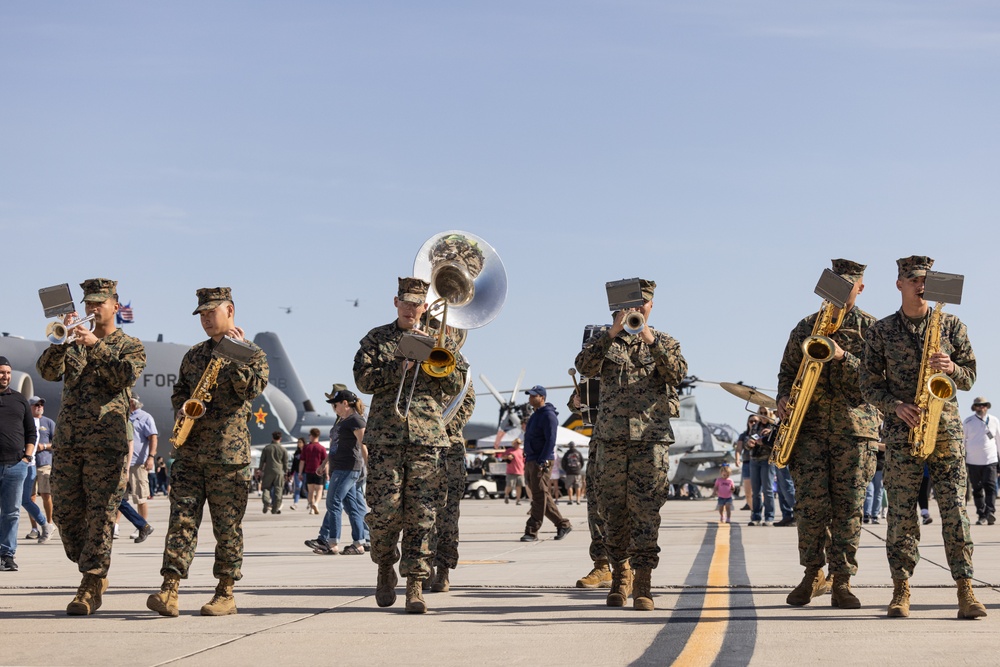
982	432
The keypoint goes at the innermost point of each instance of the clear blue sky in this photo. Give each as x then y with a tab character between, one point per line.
301	152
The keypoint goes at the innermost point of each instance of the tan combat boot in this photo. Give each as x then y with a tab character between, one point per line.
414	596
165	602
441	583
823	585
88	596
806	590
222	603
900	604
621	586
842	595
642	597
968	605
429	581
599	577
385	587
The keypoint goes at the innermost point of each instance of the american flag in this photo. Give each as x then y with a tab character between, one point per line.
124	315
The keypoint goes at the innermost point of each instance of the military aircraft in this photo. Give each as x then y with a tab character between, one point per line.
284	406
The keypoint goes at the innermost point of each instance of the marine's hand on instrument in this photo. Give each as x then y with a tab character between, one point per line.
618	325
236	333
647	335
85	336
782	407
909	413
942	362
838	352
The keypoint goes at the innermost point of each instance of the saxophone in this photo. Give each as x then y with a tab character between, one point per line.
817	349
933	390
194	408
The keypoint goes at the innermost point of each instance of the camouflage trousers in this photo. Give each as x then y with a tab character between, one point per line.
598	546
88	484
831	474
903	474
272	487
403	491
225	488
634	485
444	537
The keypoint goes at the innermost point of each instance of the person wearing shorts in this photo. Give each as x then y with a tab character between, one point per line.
724	488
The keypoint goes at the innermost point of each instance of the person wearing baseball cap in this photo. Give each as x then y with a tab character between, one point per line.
894	353
981	433
98	370
539	454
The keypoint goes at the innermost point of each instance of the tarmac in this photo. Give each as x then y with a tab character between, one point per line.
719	594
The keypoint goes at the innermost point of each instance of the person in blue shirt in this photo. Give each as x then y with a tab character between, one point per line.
539	452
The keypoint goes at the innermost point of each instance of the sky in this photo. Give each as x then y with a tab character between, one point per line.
301	152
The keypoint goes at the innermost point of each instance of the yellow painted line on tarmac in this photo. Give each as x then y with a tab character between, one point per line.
705	641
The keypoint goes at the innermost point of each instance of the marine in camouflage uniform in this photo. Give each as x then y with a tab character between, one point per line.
639	373
444	537
404	470
213	464
889	378
834	455
90	460
600	575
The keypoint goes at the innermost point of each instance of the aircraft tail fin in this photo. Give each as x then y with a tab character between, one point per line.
282	372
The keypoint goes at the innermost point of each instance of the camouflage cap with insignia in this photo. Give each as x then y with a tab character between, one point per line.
98	290
914	266
647	287
210	298
333	392
845	268
413	290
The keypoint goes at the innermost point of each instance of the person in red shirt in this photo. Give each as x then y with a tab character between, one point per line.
313	456
514	456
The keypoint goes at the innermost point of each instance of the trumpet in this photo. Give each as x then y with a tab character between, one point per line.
634	322
58	333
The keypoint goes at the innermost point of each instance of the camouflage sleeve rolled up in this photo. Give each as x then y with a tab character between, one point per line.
221	435
638	385
891	369
378	372
837	405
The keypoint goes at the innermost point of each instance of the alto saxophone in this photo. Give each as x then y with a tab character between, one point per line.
194	408
817	349
933	390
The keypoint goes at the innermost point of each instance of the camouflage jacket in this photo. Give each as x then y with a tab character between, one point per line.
462	416
638	385
837	406
97	386
891	368
378	372
221	435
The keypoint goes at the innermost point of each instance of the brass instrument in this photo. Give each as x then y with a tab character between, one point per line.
468	287
817	349
194	408
227	350
58	333
933	390
634	322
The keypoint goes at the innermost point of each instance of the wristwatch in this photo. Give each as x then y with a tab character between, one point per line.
30	457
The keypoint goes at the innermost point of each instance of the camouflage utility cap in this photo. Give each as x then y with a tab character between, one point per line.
337	387
210	298
99	290
914	266
412	290
647	287
845	268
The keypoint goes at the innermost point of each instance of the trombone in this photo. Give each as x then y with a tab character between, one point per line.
435	359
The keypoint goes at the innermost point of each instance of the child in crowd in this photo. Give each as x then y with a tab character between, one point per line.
724	488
